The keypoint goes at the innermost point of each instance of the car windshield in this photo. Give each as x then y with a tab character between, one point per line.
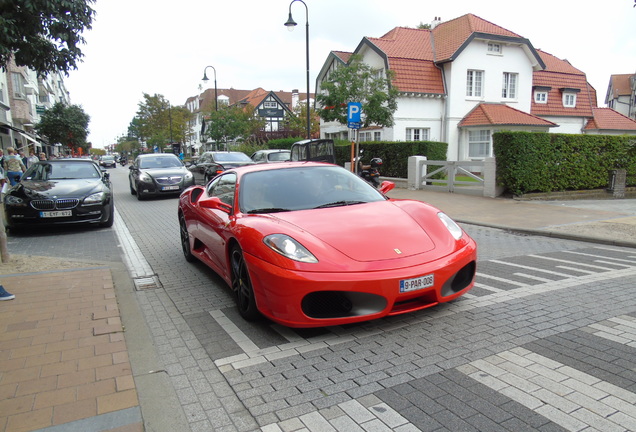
303	188
62	171
108	158
159	162
231	157
279	156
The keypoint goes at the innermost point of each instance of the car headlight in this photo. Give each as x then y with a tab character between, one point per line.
450	224
188	175
95	198
144	177
290	248
14	200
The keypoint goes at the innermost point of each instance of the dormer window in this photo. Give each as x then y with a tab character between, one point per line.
569	97
270	104
569	100
541	97
494	48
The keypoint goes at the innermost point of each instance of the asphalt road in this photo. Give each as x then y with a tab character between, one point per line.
534	346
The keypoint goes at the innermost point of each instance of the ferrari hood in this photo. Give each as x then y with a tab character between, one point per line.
366	232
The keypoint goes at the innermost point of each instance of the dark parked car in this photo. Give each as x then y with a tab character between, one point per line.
157	174
108	161
271	156
209	164
61	191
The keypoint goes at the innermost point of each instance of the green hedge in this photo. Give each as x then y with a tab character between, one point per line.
546	162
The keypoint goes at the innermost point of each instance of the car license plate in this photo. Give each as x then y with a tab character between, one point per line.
54	214
418	283
176	187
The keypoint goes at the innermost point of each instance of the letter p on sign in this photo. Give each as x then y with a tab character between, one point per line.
353	112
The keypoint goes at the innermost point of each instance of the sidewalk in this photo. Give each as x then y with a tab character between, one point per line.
68	362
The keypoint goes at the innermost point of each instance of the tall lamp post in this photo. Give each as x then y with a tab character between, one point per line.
205	79
290	24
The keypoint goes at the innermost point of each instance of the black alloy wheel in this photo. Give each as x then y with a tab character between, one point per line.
242	286
185	240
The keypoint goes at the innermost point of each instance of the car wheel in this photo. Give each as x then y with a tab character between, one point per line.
185	240
140	195
132	190
242	286
111	218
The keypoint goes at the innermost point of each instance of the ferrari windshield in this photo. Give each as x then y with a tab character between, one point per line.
60	170
303	188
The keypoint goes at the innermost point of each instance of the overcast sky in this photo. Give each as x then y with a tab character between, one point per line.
142	46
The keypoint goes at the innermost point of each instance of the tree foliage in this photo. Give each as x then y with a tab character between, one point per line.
66	125
44	35
158	123
232	122
358	82
297	122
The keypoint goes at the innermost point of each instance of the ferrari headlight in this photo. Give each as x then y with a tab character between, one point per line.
95	198
450	224
290	248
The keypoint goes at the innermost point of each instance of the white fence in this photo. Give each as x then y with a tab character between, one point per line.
482	175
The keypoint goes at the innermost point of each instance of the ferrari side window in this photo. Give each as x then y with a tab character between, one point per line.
223	188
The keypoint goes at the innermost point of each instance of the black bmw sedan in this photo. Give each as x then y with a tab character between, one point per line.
156	174
60	191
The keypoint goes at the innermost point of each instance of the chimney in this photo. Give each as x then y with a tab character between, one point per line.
294	98
437	20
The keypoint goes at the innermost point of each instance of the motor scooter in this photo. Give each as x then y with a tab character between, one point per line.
371	172
123	161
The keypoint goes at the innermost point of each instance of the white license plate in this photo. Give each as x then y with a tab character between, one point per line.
170	187
418	283
54	214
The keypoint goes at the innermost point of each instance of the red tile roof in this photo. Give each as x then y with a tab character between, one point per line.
403	42
610	120
621	85
449	36
492	114
558	75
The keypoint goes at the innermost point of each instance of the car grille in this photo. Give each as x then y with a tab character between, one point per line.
169	180
60	204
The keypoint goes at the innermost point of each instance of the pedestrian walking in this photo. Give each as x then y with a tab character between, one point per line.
13	166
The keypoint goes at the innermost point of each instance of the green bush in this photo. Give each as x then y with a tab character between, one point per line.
545	162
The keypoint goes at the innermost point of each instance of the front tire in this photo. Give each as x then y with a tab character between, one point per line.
242	286
185	240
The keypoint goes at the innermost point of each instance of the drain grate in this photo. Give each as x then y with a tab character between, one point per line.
145	283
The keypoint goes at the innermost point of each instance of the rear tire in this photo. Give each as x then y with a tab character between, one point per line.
242	286
185	240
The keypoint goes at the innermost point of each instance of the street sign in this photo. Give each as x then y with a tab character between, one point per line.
354	125
354	109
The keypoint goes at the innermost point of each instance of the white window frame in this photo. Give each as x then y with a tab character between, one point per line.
270	104
509	85
495	48
418	134
541	97
569	100
474	83
377	136
17	83
478	141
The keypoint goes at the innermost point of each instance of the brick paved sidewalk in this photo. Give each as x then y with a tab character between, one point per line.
63	355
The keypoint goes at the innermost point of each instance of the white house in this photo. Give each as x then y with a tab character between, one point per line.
464	79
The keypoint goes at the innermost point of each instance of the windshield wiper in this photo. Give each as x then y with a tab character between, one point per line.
268	210
340	203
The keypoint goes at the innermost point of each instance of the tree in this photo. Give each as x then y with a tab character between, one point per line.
297	123
44	35
229	123
66	125
159	123
358	82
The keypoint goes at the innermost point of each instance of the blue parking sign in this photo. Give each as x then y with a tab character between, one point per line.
354	109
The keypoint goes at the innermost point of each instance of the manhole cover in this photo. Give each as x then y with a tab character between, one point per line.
145	283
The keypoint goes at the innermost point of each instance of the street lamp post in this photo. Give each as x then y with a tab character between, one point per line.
205	79
290	24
